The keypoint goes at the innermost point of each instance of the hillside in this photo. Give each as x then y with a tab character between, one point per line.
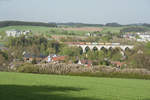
19	86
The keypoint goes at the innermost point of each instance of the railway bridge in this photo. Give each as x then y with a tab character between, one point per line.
99	47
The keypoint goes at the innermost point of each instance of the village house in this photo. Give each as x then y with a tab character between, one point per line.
16	33
118	64
48	59
93	34
54	58
58	59
31	57
143	37
87	63
131	36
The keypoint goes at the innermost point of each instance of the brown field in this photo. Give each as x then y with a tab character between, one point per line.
59	37
89	29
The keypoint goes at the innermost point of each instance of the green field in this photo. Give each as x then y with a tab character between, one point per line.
112	29
19	86
59	31
41	30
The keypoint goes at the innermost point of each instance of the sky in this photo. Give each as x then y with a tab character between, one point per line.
85	11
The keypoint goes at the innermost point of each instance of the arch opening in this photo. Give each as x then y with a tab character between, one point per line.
81	50
95	49
110	49
87	49
104	49
127	49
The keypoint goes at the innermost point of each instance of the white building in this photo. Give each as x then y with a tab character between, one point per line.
16	33
144	37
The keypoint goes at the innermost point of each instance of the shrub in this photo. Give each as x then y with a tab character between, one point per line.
78	70
28	68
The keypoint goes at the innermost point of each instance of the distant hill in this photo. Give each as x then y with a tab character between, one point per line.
16	23
114	24
79	24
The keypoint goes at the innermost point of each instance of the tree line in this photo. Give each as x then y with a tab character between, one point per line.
134	29
17	23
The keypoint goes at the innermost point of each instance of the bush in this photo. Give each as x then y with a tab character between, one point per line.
28	68
78	70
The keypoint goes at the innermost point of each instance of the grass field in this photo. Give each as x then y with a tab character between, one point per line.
112	29
88	29
42	30
60	31
19	86
80	31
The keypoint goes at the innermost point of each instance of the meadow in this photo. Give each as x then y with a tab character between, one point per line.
61	31
20	86
44	30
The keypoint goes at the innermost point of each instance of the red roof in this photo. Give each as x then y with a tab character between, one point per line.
86	62
60	58
118	63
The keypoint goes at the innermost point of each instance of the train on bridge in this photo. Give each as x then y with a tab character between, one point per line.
91	43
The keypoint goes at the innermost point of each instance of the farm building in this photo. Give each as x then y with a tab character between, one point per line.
85	62
16	33
31	57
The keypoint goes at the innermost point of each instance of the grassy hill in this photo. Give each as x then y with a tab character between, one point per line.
19	86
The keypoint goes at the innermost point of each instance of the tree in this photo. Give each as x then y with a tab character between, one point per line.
73	53
2	59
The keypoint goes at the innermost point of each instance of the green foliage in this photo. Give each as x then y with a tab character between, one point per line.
3	60
106	38
134	29
28	68
73	53
70	51
101	55
35	45
34	61
139	57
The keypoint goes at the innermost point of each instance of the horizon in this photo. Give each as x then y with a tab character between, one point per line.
65	11
73	22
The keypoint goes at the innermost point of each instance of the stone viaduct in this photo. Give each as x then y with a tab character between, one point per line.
99	47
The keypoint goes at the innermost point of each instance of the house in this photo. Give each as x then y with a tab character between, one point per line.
118	64
131	36
54	58
16	33
48	59
85	62
93	34
143	37
58	59
30	57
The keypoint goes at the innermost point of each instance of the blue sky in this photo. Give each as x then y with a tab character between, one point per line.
86	11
